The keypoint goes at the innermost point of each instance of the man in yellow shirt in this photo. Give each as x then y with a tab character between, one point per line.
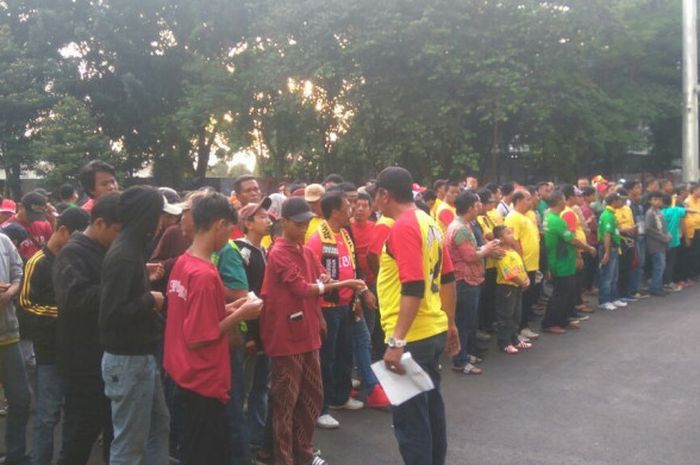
527	238
692	225
417	297
312	195
440	188
628	245
446	212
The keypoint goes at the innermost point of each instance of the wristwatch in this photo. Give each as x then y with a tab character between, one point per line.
394	343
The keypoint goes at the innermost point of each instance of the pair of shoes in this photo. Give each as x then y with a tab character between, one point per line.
673	288
377	398
619	303
640	295
483	336
351	404
318	460
327	422
608	306
528	333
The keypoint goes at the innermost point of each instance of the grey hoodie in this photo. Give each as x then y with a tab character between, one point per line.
656	232
11	268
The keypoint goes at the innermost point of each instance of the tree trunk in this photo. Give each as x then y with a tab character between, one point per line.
14	185
203	152
495	146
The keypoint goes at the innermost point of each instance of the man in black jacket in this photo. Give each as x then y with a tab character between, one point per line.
130	331
76	280
39	302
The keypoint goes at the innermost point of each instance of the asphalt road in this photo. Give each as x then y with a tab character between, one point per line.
623	390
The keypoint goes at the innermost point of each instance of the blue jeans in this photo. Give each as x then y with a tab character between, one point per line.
49	402
14	381
336	357
635	284
139	414
257	371
607	277
419	423
240	436
467	321
362	349
658	265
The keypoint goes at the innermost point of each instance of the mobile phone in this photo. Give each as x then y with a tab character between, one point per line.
296	316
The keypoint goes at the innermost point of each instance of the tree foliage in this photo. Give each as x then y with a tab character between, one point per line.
443	87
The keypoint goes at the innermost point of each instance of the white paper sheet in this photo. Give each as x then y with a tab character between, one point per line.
400	388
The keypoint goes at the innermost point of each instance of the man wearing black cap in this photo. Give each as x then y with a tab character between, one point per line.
290	329
417	296
31	214
39	301
130	331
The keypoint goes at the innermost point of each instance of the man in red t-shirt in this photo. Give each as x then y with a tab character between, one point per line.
196	354
31	215
97	178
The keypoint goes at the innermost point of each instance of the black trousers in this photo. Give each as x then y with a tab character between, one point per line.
562	302
508	314
487	301
671	261
530	297
206	433
590	270
86	415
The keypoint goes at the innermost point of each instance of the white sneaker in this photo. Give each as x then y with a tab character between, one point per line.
619	303
351	404
608	306
528	333
327	422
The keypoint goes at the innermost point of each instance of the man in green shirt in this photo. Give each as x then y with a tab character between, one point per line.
561	245
609	243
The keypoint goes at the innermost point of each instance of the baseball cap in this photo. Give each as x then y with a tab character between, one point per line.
42	191
8	206
34	204
314	192
75	219
297	210
171	208
252	208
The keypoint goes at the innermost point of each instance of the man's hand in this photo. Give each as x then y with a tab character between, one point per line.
158	297
453	345
325	278
605	259
357	309
392	359
356	284
251	347
369	299
245	309
592	251
156	271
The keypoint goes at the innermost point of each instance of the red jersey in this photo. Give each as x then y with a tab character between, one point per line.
362	234
346	267
196	306
39	233
87	206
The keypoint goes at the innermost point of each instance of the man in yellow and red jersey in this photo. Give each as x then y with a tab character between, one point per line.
416	289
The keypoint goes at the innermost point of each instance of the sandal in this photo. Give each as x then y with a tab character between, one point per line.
470	369
524	345
510	349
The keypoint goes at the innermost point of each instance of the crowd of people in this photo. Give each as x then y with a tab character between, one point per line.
215	329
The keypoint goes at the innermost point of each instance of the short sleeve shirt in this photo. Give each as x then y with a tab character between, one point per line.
607	224
414	257
673	217
527	233
561	256
509	267
196	306
230	265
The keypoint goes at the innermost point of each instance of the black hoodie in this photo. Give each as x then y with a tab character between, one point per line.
128	323
76	280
